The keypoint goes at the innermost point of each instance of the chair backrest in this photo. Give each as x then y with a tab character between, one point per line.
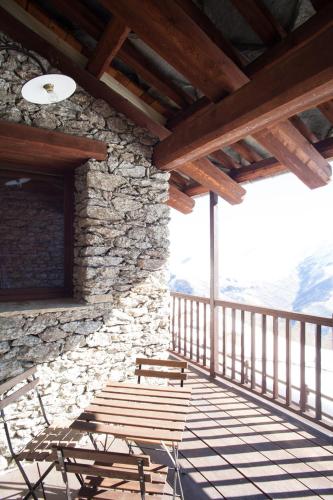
171	375
30	384
106	464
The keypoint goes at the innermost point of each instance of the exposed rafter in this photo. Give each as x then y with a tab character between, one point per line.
180	201
108	46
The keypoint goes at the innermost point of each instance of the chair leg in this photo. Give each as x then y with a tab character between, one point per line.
64	473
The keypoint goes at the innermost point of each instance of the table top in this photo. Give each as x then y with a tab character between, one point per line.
145	413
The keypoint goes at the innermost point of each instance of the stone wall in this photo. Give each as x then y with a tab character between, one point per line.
121	246
32	236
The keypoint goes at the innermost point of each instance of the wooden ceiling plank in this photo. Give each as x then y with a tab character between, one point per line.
207	174
326	109
131	56
261	20
266	100
210	69
179	200
108	46
297	154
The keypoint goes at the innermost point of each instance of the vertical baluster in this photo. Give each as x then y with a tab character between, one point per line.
242	346
205	336
233	342
179	323
224	341
318	372
185	327
275	357
198	331
253	350
173	319
288	363
302	400
264	354
191	330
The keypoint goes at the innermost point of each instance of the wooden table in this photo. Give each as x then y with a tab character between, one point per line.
141	414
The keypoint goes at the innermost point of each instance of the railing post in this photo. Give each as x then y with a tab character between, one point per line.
214	285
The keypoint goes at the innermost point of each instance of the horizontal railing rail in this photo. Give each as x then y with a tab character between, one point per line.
281	355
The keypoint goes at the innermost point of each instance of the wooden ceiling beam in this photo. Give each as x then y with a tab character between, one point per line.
244	150
307	81
226	160
188	49
302	35
261	20
326	109
207	174
152	75
296	148
179	200
303	128
108	46
79	14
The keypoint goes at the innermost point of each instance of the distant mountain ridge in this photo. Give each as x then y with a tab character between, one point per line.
308	288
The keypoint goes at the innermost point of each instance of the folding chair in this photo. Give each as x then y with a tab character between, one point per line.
39	449
171	375
111	475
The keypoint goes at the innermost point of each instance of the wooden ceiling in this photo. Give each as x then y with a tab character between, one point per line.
243	121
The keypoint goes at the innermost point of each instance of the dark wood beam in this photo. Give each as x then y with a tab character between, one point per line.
226	160
302	35
307	81
207	174
261	20
179	200
326	109
31	40
152	75
246	151
22	144
108	46
210	69
307	164
303	129
79	14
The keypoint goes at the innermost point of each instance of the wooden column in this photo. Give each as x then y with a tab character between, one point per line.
213	230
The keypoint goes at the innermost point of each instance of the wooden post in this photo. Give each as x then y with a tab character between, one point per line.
213	207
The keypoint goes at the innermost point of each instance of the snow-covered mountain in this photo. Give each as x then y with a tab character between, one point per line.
308	288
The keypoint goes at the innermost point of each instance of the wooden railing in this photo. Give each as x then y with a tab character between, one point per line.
283	356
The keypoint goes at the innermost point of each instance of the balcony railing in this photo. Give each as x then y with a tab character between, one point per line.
283	356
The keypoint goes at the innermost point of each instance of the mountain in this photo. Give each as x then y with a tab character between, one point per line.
308	288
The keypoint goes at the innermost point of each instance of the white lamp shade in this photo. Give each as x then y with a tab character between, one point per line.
34	91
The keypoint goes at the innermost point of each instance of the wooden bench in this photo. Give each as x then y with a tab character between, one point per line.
166	374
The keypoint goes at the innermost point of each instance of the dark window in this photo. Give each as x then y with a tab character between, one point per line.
35	235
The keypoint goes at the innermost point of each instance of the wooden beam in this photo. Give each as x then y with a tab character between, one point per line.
302	35
246	151
17	30
22	144
207	174
179	200
270	167
261	20
210	69
77	13
108	46
303	129
326	109
307	81
152	75
307	163
226	160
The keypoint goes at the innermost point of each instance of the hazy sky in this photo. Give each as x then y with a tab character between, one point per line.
279	222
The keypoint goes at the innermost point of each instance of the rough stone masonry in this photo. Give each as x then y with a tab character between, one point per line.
121	246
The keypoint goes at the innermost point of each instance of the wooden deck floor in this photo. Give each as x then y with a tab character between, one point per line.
236	447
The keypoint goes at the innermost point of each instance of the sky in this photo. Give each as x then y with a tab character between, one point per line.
279	222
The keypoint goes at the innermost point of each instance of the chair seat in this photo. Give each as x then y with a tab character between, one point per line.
40	447
113	488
